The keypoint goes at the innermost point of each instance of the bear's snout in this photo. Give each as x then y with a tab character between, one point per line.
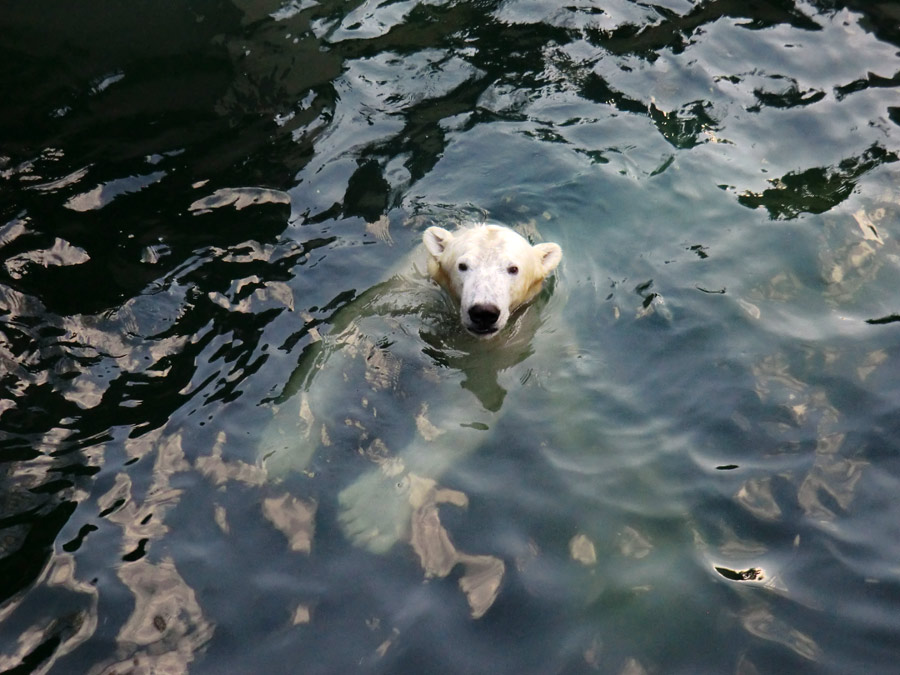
483	318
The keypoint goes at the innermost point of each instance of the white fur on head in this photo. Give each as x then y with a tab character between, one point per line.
491	270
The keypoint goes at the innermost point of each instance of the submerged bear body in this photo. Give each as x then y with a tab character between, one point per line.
409	377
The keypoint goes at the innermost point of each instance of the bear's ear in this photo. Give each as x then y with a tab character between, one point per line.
549	256
436	240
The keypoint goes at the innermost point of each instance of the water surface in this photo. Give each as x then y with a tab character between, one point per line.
689	465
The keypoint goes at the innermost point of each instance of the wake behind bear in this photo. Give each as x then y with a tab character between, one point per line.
409	377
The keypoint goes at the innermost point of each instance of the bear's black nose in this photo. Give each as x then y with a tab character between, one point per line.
483	317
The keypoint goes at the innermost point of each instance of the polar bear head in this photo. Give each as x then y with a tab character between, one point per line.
490	270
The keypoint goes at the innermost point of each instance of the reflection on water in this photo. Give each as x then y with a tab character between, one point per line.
683	459
816	190
437	554
167	627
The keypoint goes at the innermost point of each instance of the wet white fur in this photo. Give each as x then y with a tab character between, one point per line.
501	270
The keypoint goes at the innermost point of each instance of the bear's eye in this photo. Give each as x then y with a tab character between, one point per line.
512	269
462	267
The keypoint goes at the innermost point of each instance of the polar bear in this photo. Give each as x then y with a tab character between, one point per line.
402	383
490	270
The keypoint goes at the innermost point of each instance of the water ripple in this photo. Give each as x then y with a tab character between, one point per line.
696	464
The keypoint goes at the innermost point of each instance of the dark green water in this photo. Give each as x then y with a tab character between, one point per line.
690	465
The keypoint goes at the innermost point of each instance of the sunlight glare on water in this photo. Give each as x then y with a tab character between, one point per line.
241	433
